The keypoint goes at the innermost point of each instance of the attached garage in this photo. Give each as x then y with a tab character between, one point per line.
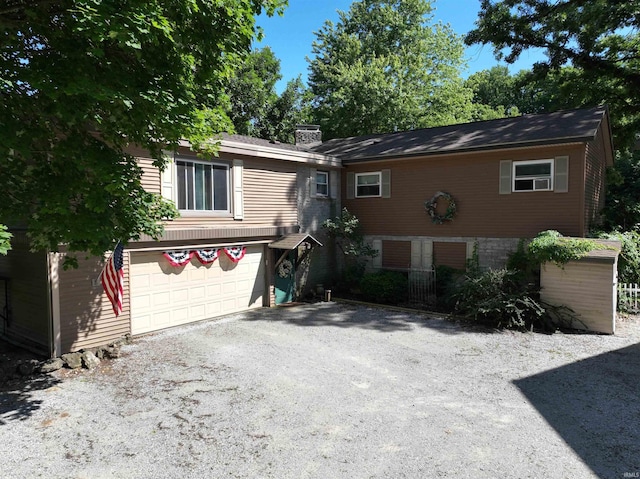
163	296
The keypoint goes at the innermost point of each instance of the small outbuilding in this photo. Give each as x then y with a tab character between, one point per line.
588	286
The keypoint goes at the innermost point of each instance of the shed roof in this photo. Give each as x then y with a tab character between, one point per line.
292	241
527	130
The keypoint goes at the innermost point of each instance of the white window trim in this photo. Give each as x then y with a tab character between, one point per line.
378	174
203	213
326	175
532	162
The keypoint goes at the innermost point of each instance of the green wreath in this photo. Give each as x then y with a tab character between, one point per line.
285	269
432	204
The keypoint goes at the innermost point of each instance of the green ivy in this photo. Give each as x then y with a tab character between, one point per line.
550	246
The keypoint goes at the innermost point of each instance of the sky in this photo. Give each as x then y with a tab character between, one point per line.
291	35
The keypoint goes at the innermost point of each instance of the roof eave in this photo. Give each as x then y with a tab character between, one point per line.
501	146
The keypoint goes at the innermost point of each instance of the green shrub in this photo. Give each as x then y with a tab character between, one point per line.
629	259
551	246
628	263
447	281
500	298
388	287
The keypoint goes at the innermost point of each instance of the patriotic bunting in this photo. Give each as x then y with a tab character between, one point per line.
207	256
178	258
235	253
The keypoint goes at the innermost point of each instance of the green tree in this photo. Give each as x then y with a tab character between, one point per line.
292	107
622	210
494	93
509	95
346	232
383	67
255	107
598	38
252	90
81	81
494	88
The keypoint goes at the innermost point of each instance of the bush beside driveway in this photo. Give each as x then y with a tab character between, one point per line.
339	391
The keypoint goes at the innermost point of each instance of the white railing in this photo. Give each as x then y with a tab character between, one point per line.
628	296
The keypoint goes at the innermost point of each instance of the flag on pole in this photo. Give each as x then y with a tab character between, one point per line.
112	277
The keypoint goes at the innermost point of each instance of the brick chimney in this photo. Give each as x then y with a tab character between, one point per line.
308	135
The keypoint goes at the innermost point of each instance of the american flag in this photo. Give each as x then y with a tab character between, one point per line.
112	277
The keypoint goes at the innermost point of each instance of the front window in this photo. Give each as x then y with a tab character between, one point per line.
203	186
534	175
322	183
367	184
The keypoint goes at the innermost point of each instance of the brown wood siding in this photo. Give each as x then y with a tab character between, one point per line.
270	195
396	254
594	192
28	275
585	286
453	255
269	192
473	181
86	316
150	175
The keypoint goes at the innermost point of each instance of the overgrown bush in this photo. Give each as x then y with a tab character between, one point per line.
629	259
502	299
550	246
388	287
447	281
628	264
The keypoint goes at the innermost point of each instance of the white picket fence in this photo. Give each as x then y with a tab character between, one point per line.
628	296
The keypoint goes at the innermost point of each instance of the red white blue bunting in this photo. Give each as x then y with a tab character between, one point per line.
235	253
178	258
205	256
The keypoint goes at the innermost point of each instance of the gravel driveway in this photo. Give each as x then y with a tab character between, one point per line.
336	391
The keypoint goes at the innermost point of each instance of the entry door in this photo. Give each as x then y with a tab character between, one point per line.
286	278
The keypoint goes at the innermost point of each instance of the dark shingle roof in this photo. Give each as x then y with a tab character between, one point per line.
549	128
249	140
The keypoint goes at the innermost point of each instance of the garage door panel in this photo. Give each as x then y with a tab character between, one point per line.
141	302
198	312
214	309
197	293
163	296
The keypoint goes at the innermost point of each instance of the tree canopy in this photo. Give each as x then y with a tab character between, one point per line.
599	39
256	109
384	67
252	89
83	80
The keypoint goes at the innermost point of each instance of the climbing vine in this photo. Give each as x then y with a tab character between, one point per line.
550	246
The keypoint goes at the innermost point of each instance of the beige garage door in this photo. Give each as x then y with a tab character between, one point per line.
163	296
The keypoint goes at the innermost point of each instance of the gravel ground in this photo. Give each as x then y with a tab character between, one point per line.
335	391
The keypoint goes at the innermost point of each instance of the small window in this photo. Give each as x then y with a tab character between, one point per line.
534	175
367	184
322	183
203	186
